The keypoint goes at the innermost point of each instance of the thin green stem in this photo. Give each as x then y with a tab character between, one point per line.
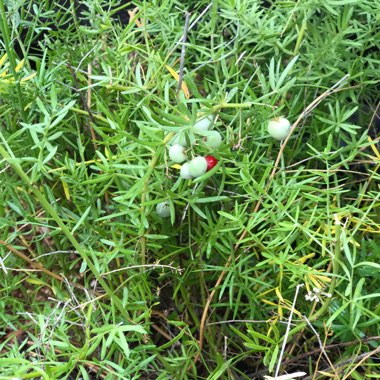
300	38
336	266
53	213
12	61
151	167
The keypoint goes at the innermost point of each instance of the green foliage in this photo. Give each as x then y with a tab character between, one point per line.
94	284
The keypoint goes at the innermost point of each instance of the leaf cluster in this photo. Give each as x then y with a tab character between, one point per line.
84	162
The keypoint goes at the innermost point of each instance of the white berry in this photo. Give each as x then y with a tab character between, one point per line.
213	139
163	209
177	153
197	166
203	124
185	173
279	128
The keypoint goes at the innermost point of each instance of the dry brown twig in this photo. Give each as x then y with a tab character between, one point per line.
42	268
321	346
86	103
361	359
336	87
183	52
358	360
316	351
374	115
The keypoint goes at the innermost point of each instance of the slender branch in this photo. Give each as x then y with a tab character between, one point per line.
244	321
183	52
308	354
304	113
321	346
11	56
86	103
9	156
374	115
147	175
340	365
41	268
287	330
152	266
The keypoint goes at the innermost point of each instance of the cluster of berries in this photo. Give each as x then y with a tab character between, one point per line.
278	128
199	164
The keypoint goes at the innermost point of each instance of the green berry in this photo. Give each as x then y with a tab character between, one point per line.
197	166
279	128
163	209
203	124
177	153
185	173
213	139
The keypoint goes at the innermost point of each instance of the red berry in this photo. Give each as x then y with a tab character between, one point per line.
211	162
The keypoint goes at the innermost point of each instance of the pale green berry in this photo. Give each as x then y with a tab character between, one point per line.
213	139
279	128
197	166
203	124
184	172
177	153
163	209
